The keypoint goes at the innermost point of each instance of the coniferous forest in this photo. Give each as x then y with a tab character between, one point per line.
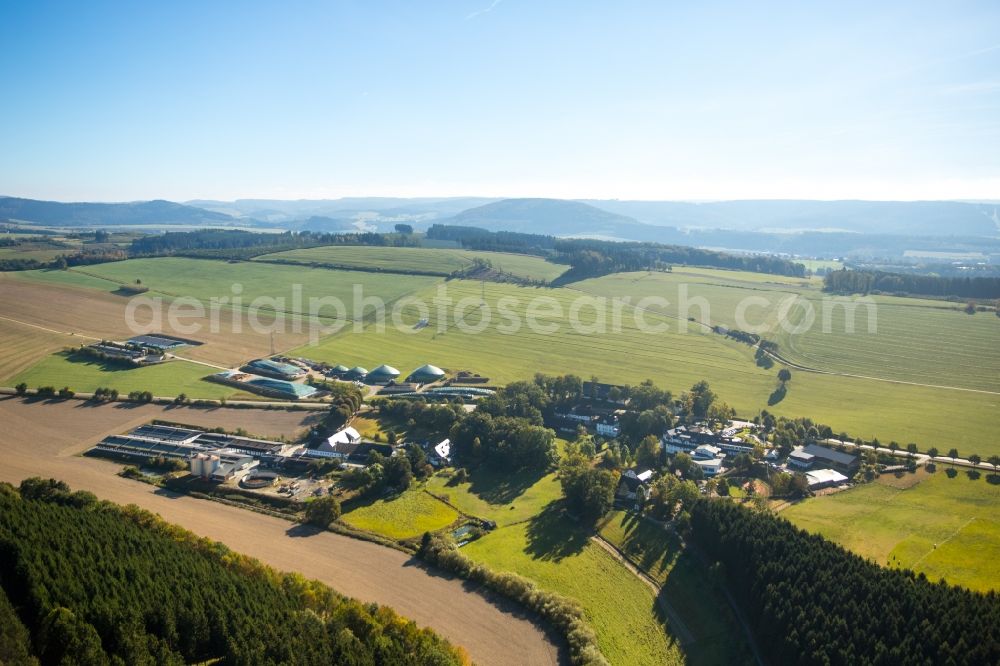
809	601
89	582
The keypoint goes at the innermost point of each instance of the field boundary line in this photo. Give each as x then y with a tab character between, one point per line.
936	546
684	635
48	330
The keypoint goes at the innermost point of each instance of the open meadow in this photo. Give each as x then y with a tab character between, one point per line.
675	360
405	516
205	279
85	375
944	525
916	340
560	557
685	583
505	498
420	259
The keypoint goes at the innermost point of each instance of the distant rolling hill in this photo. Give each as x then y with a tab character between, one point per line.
556	217
912	218
58	214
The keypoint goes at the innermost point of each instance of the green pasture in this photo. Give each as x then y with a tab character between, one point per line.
944	526
404	516
208	279
84	375
685	584
504	498
420	259
560	557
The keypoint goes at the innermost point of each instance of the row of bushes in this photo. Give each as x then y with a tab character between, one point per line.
564	615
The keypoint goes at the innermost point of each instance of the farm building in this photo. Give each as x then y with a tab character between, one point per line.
131	353
137	449
274	388
347	435
825	478
383	374
269	368
807	457
426	374
357	373
258	448
161	343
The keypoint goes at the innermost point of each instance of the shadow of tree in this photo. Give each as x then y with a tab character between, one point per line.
951	472
303	530
498	487
777	396
973	474
552	535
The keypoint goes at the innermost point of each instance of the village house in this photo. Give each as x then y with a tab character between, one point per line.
632	486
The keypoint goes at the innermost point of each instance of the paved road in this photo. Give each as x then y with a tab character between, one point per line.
920	458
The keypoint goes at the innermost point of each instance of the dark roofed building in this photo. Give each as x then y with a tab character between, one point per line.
602	391
814	454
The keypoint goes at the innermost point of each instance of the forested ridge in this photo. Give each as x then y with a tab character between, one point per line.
866	282
88	582
809	601
591	257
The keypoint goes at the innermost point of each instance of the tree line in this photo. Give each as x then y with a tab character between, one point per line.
868	282
128	588
591	257
809	601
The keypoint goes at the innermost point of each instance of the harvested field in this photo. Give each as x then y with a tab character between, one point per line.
100	313
42	438
22	346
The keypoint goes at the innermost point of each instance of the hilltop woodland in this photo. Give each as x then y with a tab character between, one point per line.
591	258
89	582
873	282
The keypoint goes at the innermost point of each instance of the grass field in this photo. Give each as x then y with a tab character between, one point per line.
501	497
421	259
686	586
559	557
947	528
207	279
23	346
86	375
908	347
37	251
674	360
915	340
402	517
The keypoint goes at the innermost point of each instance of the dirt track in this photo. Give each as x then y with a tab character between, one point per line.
42	439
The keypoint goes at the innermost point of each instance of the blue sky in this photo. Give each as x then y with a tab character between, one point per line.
648	100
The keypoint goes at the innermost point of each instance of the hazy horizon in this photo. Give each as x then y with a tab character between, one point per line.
641	101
